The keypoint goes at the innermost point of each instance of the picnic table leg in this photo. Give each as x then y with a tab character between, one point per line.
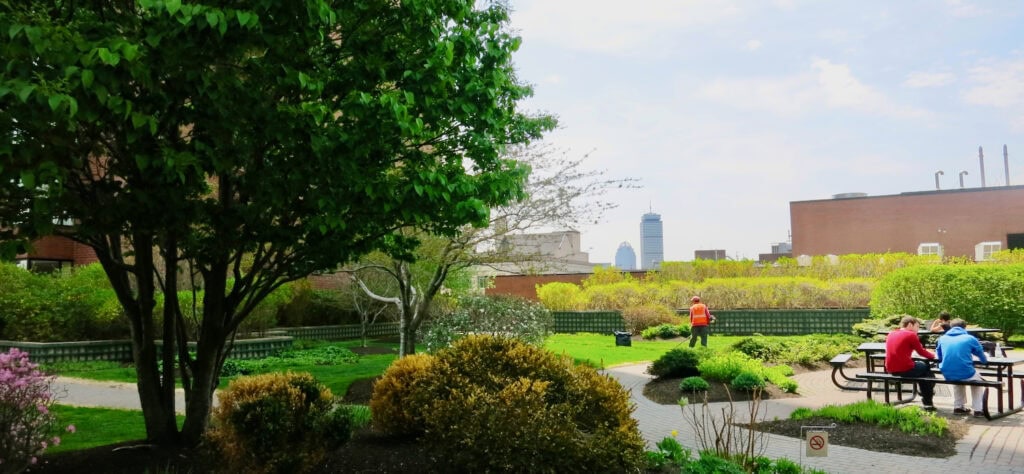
869	388
984	403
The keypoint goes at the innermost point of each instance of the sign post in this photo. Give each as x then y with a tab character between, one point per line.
817	444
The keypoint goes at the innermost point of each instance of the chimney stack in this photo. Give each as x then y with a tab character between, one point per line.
981	163
1006	164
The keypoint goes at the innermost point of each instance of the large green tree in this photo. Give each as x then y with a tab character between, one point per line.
255	142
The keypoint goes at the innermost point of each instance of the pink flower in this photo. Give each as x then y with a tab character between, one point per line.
71	428
56	440
33	461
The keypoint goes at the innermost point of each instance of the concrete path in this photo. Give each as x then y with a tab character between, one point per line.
995	447
990	446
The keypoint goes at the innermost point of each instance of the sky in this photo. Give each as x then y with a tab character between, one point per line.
727	111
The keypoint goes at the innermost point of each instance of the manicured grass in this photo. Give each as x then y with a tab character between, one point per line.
600	351
98	427
335	377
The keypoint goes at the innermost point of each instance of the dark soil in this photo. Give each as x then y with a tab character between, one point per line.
370	452
857	435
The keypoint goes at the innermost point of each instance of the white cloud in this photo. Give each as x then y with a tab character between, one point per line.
829	84
928	79
843	90
619	27
962	9
997	85
753	45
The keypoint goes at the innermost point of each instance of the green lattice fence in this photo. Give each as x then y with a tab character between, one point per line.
786	321
341	331
121	351
604	322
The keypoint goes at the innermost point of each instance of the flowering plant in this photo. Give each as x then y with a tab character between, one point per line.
25	401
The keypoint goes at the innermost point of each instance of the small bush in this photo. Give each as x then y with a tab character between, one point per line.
725	367
767	349
500	405
748	382
277	423
392	401
25	402
694	384
638	318
666	331
911	420
681	362
504	316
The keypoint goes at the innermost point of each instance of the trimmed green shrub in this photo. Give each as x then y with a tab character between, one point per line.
498	404
986	295
392	403
760	347
694	384
681	362
505	316
748	382
910	419
278	423
725	367
666	331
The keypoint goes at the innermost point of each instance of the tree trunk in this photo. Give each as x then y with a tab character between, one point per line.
157	409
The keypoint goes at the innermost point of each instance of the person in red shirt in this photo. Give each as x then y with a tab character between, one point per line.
900	345
700	317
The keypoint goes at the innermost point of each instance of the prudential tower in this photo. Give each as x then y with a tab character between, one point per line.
652	247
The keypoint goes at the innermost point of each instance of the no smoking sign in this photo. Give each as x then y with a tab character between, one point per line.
817	444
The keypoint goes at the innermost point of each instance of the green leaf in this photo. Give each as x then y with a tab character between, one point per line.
211	18
28	179
54	102
109	58
4	90
244	17
87	77
72	106
25	91
14	30
173	6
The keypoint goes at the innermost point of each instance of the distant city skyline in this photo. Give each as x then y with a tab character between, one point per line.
652	241
726	112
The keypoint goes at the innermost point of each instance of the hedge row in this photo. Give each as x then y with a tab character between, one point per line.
986	295
720	293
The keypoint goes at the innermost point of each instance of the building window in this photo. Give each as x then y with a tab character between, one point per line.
984	250
929	248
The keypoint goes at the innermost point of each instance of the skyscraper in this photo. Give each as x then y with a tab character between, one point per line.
625	257
652	248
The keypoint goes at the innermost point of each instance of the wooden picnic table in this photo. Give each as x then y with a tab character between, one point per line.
925	332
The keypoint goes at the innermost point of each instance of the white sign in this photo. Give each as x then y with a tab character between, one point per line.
817	444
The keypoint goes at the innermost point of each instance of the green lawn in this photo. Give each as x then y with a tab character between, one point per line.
600	351
98	427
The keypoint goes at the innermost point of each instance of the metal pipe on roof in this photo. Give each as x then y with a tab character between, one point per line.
981	163
1006	164
937	174
962	173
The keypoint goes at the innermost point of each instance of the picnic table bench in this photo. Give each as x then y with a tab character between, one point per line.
889	380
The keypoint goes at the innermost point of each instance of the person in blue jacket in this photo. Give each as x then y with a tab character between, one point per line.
956	351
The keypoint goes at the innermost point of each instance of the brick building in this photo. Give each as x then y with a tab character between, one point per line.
53	253
959	222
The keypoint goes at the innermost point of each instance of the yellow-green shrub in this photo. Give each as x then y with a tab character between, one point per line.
277	422
392	403
638	318
497	404
560	296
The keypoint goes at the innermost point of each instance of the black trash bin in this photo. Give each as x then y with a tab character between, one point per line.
623	338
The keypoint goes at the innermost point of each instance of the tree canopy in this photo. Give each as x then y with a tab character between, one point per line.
251	143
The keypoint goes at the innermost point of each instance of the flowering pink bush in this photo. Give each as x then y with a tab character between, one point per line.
25	401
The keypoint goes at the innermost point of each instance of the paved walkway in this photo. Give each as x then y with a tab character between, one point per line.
990	446
995	447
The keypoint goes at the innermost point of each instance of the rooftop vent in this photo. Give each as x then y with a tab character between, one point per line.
849	195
